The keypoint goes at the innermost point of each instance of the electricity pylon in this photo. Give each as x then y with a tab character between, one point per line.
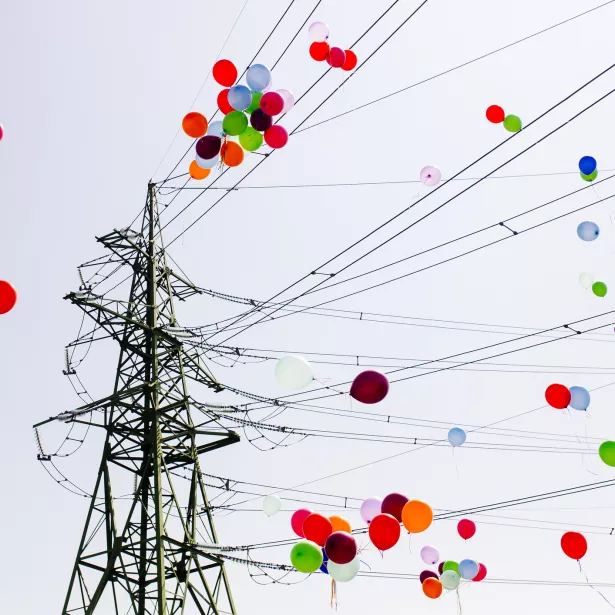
137	553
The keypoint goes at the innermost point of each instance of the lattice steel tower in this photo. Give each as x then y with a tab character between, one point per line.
138	553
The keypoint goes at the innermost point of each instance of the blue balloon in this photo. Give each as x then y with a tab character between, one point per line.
240	97
468	569
258	77
215	128
587	165
457	436
325	559
588	231
579	398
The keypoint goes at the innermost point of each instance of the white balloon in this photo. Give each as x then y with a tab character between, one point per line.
272	505
450	579
289	99
586	280
431	176
293	372
344	572
319	32
215	128
207	164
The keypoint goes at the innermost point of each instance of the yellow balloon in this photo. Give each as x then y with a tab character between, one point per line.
340	524
416	516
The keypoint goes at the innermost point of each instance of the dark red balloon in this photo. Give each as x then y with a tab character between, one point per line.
557	396
440	567
317	528
370	387
319	51
8	297
272	103
260	120
427	574
466	528
351	60
482	573
384	531
336	57
393	504
341	547
574	545
495	114
223	103
208	147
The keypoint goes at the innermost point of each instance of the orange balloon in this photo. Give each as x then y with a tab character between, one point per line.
196	172
340	524
432	588
231	154
194	124
416	516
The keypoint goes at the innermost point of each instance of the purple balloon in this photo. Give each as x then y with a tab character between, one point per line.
430	555
370	387
393	505
208	147
341	547
427	574
260	120
370	508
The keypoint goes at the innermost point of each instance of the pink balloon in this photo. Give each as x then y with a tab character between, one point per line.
370	387
370	508
337	57
296	521
466	528
272	103
276	136
1	131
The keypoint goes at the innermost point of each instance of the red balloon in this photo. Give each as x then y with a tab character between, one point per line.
482	573
336	57
223	103
341	547
8	297
495	114
276	136
317	528
272	103
574	545
558	396
393	504
319	51
384	531
296	521
466	528
225	73
426	574
370	387
351	60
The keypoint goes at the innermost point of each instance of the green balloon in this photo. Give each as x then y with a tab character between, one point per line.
590	177
451	565
250	139
512	123
256	102
599	289
234	123
306	556
607	453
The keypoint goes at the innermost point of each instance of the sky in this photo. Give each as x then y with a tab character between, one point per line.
93	97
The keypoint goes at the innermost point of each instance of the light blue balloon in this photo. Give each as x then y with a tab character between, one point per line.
468	569
579	398
258	77
456	436
215	129
588	231
240	97
207	163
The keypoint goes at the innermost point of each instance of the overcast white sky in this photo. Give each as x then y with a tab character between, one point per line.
92	96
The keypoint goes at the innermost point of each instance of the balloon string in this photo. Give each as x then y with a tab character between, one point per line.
333	594
595	589
365	564
459	610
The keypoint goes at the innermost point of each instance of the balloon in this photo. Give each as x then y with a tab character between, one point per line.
482	573
319	51
325	560
225	73
223	103
393	504
586	280
344	572
468	569
337	57
194	124
351	60
271	505
208	147
466	528
289	99
231	154
588	231
293	372
1	131
256	102
579	398
296	521
512	123
260	120
196	172
384	531
276	136
318	32
341	547
456	436
432	588
8	297
574	545
440	567
306	556
215	128
450	565
427	574
258	77
250	139
430	176
234	123
430	555
340	524
599	289
369	387
239	97
590	177
207	164
370	508
272	103
450	580
495	114
557	396
317	528
416	516
606	450
587	165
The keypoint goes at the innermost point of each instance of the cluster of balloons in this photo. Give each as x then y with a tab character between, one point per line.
559	396
589	168
293	372
430	176
8	296
321	51
369	387
586	280
496	115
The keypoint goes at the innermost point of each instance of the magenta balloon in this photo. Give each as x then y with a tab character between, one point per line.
296	521
430	555
341	547
260	120
393	505
337	57
276	136
370	387
272	103
427	574
370	508
208	147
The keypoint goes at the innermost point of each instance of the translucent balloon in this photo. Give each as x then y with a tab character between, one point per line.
240	97
318	32
272	505
342	573
599	289
215	129
512	123
370	508
456	436
207	164
579	398
293	372
430	555
258	77
588	231
586	280
468	569
289	99
431	176
450	579
306	556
